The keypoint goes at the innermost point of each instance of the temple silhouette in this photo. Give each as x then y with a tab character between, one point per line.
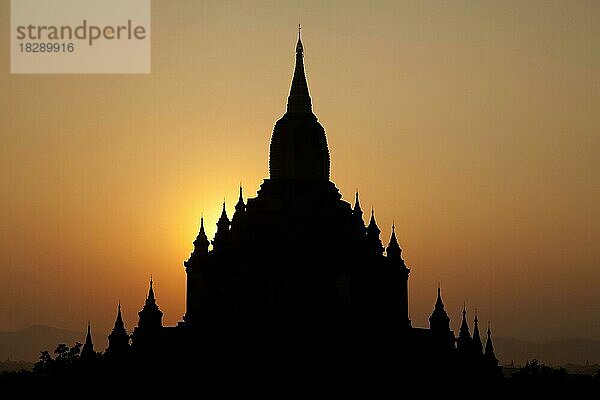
298	293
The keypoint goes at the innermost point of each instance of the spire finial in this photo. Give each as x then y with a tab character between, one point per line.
356	201
299	99
393	226
439	304
223	220
489	332
240	207
119	318
151	290
357	212
88	348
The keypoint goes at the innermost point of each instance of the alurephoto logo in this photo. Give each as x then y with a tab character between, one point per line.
83	36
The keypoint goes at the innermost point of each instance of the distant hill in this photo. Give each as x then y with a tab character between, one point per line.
10	366
554	352
26	344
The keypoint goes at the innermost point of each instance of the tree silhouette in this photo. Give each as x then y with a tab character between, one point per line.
66	357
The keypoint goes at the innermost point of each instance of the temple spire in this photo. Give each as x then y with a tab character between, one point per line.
298	149
373	232
299	99
357	216
439	304
118	340
150	315
224	212
119	320
464	337
88	338
393	251
489	355
357	209
222	235
223	222
477	345
240	207
240	210
439	323
151	297
489	346
373	229
464	327
87	351
202	233
201	243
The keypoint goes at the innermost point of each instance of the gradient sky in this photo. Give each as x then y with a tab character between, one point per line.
475	125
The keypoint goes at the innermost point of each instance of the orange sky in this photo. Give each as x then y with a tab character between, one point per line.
475	125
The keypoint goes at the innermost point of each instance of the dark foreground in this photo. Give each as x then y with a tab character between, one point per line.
219	373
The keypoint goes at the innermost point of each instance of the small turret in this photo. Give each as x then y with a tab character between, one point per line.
357	211
464	337
439	320
373	232
489	356
201	243
223	222
357	219
87	351
150	315
477	345
222	235
146	334
439	325
200	251
151	296
118	340
393	251
240	210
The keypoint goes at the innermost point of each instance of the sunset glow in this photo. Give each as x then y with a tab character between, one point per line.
475	130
